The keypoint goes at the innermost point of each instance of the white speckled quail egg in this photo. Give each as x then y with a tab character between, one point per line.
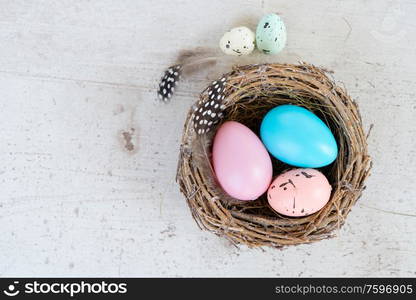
238	41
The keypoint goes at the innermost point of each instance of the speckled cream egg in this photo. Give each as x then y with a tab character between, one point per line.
271	34
299	192
238	41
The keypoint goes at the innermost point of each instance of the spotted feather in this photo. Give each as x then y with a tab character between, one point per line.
209	112
168	82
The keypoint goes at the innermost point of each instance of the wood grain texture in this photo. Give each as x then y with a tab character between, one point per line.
89	156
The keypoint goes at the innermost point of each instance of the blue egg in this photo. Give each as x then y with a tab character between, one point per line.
298	137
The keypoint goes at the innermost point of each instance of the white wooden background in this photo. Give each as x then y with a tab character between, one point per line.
88	156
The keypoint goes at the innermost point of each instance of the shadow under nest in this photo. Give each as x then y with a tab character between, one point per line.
251	91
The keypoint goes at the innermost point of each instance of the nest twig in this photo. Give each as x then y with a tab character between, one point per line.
251	91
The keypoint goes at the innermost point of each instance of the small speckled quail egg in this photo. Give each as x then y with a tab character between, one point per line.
271	34
238	41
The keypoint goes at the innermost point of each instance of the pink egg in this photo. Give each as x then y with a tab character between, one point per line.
299	192
242	164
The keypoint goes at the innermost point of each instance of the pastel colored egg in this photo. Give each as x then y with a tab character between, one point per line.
238	41
241	163
271	34
299	192
298	137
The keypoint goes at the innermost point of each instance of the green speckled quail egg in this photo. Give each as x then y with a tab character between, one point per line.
271	34
238	41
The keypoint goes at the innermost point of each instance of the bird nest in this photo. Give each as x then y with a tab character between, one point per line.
250	91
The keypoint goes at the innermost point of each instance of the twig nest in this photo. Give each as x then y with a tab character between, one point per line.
249	93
